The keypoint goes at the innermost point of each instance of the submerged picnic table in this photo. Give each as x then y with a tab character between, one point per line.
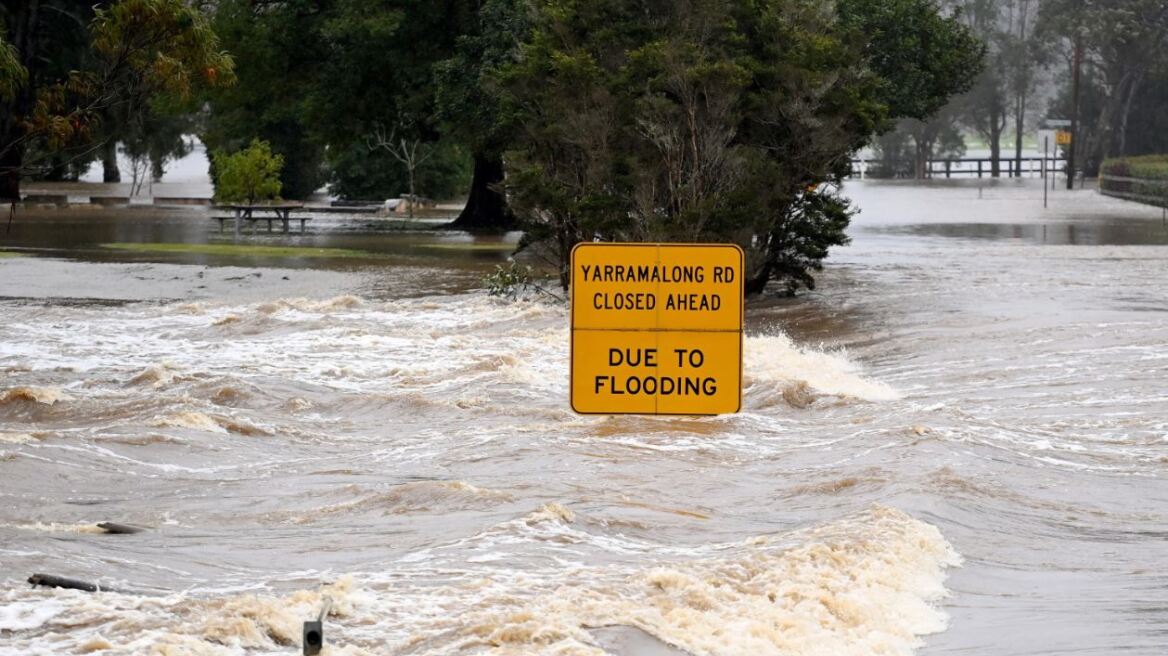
280	211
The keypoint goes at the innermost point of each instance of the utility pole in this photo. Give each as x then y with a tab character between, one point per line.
1076	69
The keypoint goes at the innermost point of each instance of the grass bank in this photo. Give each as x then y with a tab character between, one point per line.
240	250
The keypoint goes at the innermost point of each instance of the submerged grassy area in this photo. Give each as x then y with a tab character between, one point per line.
459	246
239	250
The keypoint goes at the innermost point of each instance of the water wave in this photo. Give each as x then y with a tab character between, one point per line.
865	584
776	370
42	395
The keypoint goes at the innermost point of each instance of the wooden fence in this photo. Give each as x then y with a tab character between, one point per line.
953	167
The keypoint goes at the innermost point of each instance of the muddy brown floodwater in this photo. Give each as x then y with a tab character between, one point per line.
958	445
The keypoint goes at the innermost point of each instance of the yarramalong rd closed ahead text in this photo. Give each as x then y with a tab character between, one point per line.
656	328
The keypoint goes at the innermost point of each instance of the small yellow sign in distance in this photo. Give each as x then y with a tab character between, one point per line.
657	328
1062	138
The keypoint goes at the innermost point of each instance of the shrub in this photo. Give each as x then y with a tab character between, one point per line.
249	175
1147	177
509	280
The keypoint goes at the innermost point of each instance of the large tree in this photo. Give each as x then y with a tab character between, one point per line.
708	120
468	105
1114	48
54	93
277	58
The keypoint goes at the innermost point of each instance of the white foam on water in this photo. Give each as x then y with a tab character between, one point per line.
54	527
775	368
25	615
862	585
449	350
17	438
192	420
865	584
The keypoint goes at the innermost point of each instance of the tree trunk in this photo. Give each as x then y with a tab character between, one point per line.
486	208
756	284
995	146
1126	113
1019	119
10	164
23	36
1021	84
110	172
413	196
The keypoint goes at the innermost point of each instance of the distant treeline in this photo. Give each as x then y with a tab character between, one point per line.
1116	50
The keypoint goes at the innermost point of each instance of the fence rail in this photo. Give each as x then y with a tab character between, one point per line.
958	166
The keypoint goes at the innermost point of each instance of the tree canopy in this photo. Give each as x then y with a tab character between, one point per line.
66	64
317	78
706	120
671	120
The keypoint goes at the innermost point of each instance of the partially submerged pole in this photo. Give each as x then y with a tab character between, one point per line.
1045	154
313	634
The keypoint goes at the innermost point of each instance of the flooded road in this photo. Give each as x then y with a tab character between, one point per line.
959	444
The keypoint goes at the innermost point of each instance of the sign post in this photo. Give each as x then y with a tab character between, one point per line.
1045	155
657	328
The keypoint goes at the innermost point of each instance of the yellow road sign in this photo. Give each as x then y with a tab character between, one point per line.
656	328
1062	138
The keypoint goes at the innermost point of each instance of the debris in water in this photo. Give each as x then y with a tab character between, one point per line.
119	529
51	581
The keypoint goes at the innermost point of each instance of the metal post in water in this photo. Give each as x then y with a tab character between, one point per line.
1045	152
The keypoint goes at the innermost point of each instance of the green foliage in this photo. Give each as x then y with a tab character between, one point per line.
13	76
467	102
80	61
1148	177
708	121
249	175
159	136
274	80
1124	46
159	46
905	151
1145	166
509	281
317	77
920	56
359	173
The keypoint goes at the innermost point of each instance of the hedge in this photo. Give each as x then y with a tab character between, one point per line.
1147	178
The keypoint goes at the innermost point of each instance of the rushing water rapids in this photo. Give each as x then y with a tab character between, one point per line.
959	444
